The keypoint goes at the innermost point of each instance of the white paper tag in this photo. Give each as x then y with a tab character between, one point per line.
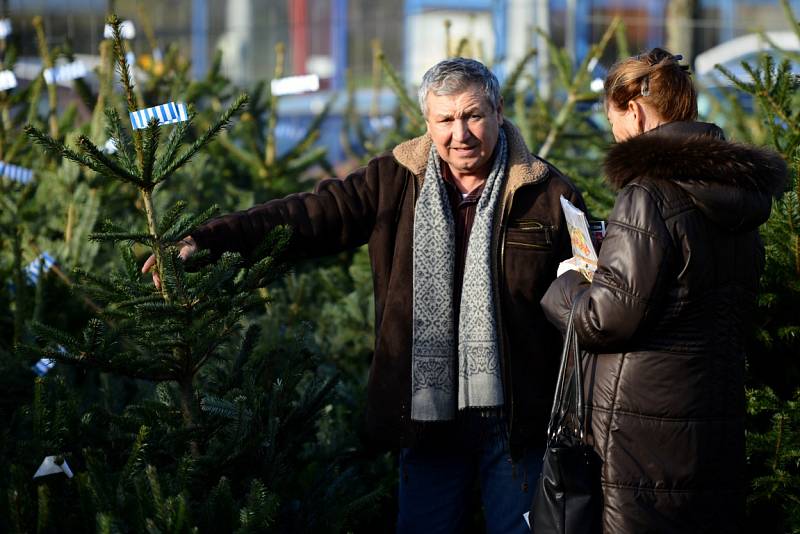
126	30
5	28
7	80
295	84
527	520
65	73
110	147
51	467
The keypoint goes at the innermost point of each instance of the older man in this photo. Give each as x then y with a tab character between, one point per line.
465	234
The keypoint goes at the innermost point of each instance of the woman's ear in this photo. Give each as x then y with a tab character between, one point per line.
637	115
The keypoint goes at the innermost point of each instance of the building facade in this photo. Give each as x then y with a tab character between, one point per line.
332	38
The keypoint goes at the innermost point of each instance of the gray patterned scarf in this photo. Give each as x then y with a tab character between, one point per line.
433	365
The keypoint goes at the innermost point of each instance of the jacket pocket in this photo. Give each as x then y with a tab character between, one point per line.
529	234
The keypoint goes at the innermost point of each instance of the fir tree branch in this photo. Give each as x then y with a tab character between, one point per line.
173	143
174	275
149	147
125	74
412	111
312	132
223	408
623	48
115	130
123	68
137	457
134	302
559	59
272	111
47	63
249	341
35	95
93	336
509	85
221	123
57	148
254	163
160	309
574	89
172	216
790	16
101	237
185	224
55	336
103	161
740	84
302	163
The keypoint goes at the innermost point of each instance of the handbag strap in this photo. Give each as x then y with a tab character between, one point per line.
560	404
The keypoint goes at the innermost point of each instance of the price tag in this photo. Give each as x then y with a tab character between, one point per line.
52	465
16	173
168	113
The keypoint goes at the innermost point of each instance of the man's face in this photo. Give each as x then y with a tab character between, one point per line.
464	128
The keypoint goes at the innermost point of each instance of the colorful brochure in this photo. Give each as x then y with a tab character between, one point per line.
584	257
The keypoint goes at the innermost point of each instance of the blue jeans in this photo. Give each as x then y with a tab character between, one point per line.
436	486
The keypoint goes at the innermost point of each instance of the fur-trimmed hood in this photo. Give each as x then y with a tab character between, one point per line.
731	183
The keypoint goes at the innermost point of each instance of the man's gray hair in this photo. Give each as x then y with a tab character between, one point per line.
453	76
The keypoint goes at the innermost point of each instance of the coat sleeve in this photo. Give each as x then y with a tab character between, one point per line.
338	215
629	283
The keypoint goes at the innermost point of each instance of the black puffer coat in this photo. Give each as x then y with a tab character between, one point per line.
666	314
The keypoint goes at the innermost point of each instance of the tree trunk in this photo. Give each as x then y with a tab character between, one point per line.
680	27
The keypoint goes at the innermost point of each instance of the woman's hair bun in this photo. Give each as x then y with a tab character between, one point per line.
659	58
659	78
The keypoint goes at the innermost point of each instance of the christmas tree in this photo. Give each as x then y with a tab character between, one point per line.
773	437
194	425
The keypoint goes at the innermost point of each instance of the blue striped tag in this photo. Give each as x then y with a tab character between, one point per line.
16	173
42	366
32	270
168	113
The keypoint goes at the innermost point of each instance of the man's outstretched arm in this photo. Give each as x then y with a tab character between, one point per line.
338	215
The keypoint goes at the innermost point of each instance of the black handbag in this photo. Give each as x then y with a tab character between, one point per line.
568	497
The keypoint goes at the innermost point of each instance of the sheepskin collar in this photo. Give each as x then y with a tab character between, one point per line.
731	183
523	168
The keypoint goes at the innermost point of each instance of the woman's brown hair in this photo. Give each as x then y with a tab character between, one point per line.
658	79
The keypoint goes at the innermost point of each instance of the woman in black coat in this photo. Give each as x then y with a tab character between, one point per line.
666	313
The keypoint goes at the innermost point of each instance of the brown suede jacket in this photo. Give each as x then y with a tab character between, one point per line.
375	205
